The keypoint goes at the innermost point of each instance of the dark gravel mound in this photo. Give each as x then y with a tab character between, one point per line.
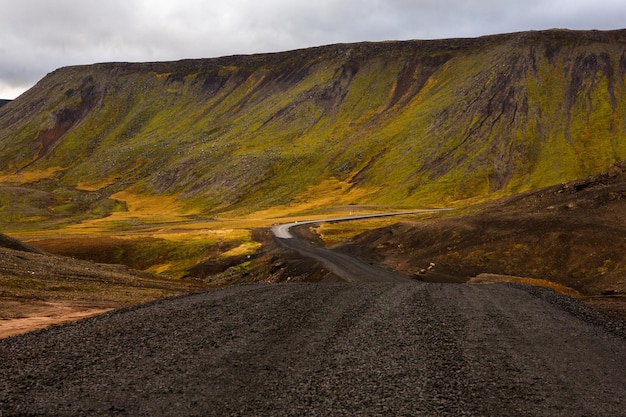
322	349
10	243
571	234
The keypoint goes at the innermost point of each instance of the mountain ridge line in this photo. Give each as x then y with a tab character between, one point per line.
397	123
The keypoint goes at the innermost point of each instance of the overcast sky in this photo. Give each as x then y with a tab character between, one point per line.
39	36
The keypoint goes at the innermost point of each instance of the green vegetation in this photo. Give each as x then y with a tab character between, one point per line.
397	124
410	124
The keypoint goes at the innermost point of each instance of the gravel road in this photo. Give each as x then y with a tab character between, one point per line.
377	344
348	268
390	348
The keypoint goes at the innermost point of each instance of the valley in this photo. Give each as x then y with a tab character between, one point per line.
149	197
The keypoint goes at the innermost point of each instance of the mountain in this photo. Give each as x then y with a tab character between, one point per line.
4	102
411	123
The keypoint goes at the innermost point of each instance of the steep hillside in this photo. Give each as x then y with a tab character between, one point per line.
410	123
4	102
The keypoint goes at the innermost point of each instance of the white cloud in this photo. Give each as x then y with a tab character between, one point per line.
42	35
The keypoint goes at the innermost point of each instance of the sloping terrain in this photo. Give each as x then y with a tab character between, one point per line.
8	242
409	123
156	164
367	126
38	289
573	234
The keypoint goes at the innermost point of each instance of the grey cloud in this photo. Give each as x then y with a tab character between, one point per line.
42	35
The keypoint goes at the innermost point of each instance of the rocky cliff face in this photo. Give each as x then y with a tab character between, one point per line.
394	123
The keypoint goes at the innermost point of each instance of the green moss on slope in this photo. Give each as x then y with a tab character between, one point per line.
406	123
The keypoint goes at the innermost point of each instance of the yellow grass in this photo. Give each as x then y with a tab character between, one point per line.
328	193
160	269
148	206
29	176
246	248
164	217
140	209
202	234
494	278
94	186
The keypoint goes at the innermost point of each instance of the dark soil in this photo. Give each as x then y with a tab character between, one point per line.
327	349
379	344
573	234
11	243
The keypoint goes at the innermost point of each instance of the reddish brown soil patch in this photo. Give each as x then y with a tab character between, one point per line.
23	315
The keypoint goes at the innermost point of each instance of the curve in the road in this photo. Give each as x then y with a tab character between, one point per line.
343	265
281	231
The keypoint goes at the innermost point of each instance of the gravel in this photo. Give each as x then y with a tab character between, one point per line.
333	349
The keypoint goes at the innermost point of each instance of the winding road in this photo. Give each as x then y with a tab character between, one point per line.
281	231
376	345
344	266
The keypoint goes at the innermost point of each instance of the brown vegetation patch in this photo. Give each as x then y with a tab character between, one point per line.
38	289
571	235
101	249
65	118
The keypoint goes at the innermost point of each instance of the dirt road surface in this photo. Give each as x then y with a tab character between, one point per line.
346	267
325	349
379	345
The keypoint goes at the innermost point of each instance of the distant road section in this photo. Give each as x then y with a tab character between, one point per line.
342	265
378	344
281	231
